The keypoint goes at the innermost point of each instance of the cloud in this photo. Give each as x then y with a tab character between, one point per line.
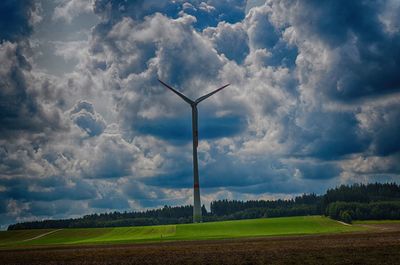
84	116
23	105
108	157
373	165
111	10
348	56
31	107
210	13
68	9
230	40
270	107
207	13
44	209
178	130
328	135
110	201
317	170
71	50
379	124
47	189
313	103
17	19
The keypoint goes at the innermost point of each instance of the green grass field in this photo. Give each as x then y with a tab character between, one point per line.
213	230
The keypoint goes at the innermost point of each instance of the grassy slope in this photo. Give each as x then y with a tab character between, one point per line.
212	230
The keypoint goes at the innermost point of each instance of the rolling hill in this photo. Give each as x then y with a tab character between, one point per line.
202	231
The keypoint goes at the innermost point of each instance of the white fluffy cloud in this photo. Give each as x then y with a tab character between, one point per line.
69	9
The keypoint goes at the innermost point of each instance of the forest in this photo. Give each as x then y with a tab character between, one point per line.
346	203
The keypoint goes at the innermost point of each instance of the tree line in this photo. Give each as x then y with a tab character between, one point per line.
346	203
378	210
363	202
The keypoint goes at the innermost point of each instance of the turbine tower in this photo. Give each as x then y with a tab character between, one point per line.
196	188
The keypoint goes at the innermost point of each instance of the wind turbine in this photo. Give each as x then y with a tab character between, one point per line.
196	188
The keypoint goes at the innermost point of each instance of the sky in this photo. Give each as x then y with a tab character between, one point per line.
85	127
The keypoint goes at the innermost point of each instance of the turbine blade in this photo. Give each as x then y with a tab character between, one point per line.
200	99
178	93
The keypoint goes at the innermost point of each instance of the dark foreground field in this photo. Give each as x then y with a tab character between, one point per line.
382	246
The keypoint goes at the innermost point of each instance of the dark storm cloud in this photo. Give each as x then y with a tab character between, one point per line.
15	19
348	53
368	67
48	189
318	170
19	108
176	130
386	140
382	127
180	129
339	18
366	52
329	135
217	127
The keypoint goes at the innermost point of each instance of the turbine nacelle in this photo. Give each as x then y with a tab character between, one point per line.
188	100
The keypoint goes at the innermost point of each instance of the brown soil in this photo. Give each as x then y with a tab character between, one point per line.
379	247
